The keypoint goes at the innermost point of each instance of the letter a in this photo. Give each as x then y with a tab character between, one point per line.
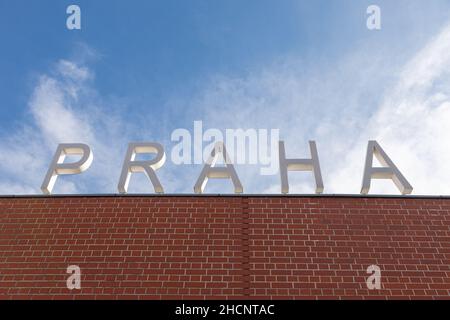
74	281
74	20
210	171
389	171
374	20
374	281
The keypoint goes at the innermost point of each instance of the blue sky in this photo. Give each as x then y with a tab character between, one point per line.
152	50
137	70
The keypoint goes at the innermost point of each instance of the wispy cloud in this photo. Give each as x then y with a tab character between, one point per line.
412	122
63	109
365	96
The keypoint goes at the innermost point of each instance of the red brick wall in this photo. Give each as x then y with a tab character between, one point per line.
176	247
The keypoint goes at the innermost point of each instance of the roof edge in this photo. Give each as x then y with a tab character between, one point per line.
140	195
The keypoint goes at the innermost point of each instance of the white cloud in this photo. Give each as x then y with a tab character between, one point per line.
412	123
54	115
366	96
62	109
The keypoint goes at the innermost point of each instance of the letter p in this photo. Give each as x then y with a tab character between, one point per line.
58	167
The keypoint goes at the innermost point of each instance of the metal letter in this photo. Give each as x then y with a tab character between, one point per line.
58	167
148	166
300	165
389	171
209	171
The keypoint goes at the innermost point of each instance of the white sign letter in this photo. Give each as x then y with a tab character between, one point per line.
58	167
148	166
209	171
300	165
389	171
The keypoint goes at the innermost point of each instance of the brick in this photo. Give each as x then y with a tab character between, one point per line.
165	247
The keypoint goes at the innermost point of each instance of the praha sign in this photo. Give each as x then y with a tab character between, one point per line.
212	171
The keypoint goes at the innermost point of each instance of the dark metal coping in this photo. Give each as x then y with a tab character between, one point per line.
118	195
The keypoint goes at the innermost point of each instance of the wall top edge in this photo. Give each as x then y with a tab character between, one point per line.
221	195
